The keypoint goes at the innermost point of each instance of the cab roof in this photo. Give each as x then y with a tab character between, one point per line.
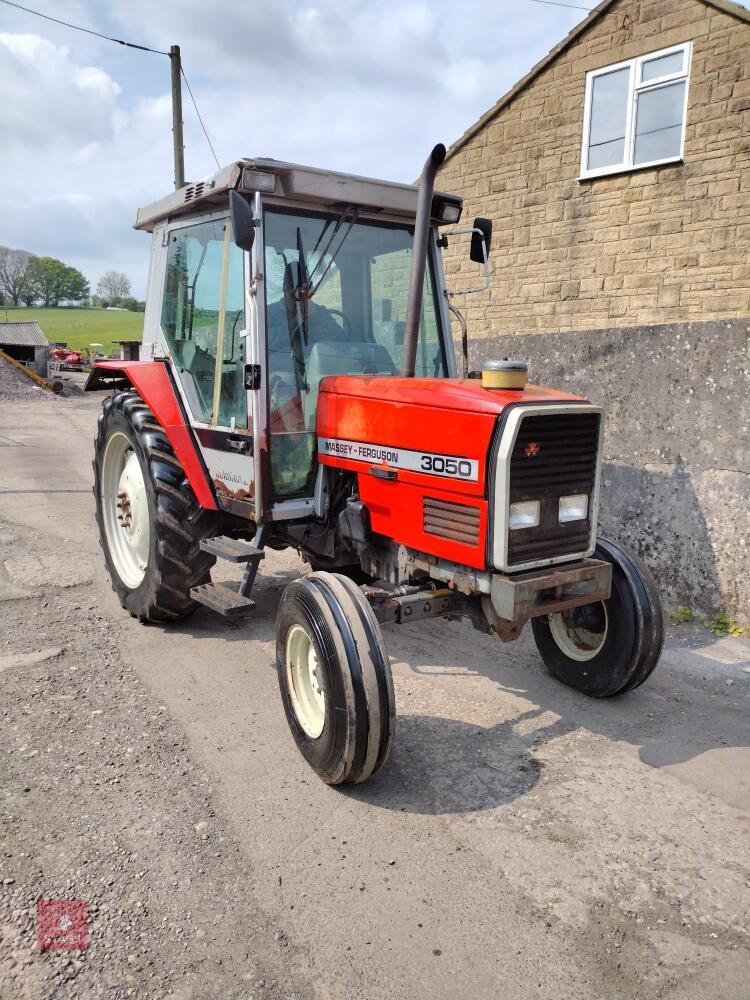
328	188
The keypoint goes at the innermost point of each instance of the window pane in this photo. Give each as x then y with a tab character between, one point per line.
662	66
354	323
658	127
658	145
190	311
233	399
389	279
608	154
609	99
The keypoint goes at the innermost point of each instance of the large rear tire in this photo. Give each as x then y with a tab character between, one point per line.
611	647
335	678
150	523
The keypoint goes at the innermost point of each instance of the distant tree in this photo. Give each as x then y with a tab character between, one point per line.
44	276
53	282
113	286
75	286
14	267
131	304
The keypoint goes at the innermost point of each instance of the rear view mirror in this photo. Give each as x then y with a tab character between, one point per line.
243	223
476	252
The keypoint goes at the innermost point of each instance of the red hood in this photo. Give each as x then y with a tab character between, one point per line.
442	393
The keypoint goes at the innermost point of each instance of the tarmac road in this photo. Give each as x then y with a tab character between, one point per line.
522	842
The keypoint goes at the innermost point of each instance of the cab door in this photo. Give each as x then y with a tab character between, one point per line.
204	329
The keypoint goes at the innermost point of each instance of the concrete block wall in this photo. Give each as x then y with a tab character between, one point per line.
676	472
41	361
650	246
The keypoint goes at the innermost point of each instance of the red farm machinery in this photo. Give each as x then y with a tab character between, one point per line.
299	388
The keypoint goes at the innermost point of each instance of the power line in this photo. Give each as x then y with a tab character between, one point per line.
88	31
208	139
556	3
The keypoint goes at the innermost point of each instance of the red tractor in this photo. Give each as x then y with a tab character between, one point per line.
298	388
65	360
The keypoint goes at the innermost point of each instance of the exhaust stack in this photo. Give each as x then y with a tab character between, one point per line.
419	259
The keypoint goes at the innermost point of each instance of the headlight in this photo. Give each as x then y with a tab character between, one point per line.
524	515
573	508
446	210
450	213
258	180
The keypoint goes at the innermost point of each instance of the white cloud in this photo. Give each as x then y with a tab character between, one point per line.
47	95
356	86
76	160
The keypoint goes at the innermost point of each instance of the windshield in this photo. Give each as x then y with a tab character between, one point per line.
359	277
336	297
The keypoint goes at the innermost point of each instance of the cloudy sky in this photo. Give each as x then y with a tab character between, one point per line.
356	85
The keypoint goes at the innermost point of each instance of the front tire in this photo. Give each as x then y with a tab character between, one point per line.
335	678
150	523
611	647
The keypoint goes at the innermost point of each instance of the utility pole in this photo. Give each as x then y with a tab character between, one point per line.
179	148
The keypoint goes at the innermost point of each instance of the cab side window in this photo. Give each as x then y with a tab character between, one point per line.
202	315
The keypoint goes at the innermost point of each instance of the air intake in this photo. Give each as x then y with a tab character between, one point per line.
454	521
194	191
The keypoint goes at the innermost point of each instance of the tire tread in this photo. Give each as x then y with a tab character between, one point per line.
180	522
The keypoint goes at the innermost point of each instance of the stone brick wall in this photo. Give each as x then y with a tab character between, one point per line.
657	245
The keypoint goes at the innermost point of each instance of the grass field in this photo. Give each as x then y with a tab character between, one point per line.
80	328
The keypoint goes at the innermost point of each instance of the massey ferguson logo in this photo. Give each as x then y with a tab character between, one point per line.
531	449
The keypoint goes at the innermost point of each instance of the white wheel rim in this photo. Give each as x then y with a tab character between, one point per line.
124	505
305	682
579	644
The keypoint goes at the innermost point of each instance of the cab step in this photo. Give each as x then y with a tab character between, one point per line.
232	599
232	549
224	598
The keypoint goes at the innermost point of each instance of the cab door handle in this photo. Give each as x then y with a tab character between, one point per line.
242	445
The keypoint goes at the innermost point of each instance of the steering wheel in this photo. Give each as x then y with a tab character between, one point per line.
346	321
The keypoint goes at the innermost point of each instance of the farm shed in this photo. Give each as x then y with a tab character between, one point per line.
25	342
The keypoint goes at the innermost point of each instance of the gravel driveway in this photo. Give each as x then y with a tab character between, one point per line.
522	842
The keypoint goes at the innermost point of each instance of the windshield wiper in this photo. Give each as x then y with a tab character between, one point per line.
302	285
307	288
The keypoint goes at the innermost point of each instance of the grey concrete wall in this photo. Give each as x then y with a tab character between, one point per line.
41	361
676	472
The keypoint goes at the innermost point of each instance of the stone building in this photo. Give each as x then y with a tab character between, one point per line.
617	175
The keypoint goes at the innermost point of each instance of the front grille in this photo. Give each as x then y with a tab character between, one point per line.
450	520
554	456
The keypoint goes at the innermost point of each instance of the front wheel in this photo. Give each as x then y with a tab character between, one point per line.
335	678
611	647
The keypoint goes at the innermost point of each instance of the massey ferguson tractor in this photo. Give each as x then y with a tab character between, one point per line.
299	388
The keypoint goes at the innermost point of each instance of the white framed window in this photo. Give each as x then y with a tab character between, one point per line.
634	112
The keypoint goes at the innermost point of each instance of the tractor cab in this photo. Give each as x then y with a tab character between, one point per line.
265	279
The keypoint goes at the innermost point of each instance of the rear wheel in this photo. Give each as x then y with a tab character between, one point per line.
150	524
335	678
610	647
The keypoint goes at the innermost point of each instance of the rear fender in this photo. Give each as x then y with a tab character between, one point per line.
154	384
